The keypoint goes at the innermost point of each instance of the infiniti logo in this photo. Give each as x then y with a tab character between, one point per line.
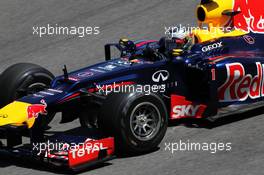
161	75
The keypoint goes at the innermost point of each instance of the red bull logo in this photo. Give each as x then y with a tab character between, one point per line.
251	15
240	86
35	109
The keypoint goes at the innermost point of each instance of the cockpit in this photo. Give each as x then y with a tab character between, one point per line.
215	20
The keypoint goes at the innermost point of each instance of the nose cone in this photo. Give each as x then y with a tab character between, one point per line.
16	113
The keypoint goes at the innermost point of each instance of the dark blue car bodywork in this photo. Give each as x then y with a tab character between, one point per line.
196	75
208	80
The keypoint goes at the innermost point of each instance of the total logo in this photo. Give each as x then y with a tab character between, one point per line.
161	75
239	86
212	46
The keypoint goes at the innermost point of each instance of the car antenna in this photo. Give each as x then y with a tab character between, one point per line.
65	72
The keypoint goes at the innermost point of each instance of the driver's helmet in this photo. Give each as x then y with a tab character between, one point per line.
175	40
179	37
178	34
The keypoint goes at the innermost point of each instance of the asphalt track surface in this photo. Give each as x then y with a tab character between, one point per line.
136	19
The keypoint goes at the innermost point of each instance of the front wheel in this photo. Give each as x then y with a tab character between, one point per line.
138	121
23	79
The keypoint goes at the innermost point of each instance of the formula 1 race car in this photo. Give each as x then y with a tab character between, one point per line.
127	101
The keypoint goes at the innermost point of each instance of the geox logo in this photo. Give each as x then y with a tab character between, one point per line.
212	46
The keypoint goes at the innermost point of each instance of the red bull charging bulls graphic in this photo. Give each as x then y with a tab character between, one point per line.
251	15
35	110
240	86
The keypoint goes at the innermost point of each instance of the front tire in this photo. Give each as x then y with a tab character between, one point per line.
138	121
21	79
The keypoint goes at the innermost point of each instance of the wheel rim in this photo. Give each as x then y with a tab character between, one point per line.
31	89
35	87
145	121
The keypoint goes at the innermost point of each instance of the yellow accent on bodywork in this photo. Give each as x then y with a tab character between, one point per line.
213	12
206	35
16	114
212	15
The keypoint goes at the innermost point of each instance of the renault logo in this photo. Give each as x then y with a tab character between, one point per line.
161	75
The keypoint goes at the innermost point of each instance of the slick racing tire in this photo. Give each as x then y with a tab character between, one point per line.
21	79
137	121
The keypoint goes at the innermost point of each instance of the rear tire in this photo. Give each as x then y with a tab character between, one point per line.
137	121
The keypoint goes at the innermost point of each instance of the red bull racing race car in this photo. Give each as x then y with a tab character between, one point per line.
125	103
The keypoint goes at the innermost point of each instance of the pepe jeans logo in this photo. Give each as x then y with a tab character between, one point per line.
249	39
161	75
85	74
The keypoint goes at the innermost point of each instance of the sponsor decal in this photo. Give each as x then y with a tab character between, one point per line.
46	93
182	108
35	109
88	148
122	62
251	16
55	90
212	46
161	75
73	79
85	74
97	70
107	67
240	86
89	151
213	74
249	39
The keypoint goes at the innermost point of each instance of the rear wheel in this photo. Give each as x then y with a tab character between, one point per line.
22	79
138	121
